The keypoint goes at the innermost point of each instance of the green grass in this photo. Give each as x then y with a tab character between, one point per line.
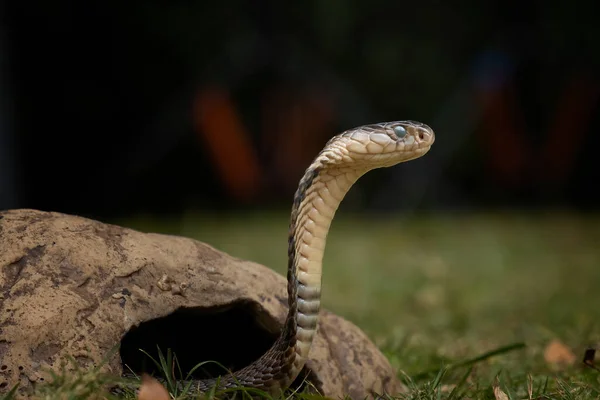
456	302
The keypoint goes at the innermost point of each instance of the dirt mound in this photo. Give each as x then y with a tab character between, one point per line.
71	286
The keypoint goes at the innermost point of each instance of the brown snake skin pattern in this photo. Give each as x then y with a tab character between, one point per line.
344	159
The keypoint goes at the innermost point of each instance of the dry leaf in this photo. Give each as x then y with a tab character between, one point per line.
498	393
557	353
447	388
151	389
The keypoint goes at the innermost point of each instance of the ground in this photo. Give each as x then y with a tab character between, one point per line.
459	303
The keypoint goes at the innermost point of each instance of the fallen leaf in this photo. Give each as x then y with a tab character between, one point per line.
498	393
447	388
151	389
557	353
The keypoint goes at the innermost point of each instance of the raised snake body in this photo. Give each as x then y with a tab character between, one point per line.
344	159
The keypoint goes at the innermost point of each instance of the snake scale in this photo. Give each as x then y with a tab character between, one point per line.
343	160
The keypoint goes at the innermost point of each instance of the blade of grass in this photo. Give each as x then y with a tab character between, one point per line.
475	360
460	384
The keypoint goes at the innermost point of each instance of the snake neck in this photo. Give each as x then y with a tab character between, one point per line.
319	194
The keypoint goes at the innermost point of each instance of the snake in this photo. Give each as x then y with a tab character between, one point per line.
343	160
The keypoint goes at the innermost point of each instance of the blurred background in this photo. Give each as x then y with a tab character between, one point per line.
198	118
117	108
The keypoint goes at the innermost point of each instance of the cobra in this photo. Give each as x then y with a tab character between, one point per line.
343	160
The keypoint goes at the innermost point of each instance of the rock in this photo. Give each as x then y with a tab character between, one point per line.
74	287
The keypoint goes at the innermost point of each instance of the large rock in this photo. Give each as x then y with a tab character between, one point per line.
74	287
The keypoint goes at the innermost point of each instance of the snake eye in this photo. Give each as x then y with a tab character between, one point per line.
400	131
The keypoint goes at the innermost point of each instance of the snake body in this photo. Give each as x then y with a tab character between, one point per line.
343	160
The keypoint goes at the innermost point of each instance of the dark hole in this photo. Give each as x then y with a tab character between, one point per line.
3	385
3	367
230	335
421	135
20	368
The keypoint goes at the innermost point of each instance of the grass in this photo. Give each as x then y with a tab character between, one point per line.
460	304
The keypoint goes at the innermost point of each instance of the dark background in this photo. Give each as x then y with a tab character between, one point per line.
115	108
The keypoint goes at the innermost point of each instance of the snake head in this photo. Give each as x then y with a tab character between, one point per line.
387	143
